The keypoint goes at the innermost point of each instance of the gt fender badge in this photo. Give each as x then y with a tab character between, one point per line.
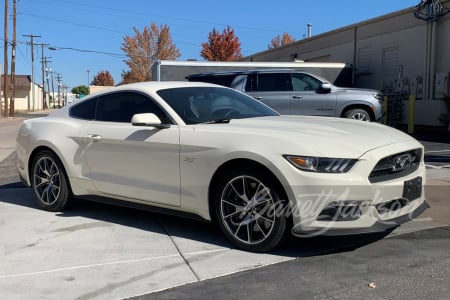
189	160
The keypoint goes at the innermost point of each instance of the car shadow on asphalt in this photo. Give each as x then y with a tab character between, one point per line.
445	158
195	230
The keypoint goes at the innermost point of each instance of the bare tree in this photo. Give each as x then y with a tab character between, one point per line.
144	48
221	47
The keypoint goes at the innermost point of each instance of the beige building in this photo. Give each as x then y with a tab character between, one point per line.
397	53
28	96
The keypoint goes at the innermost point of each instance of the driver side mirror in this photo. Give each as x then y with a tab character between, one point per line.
324	88
148	119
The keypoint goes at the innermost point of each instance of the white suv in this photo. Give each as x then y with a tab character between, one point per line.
293	92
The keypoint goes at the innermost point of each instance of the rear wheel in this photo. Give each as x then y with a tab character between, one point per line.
358	114
249	210
49	182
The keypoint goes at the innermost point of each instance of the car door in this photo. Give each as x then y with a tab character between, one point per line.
308	99
273	89
140	163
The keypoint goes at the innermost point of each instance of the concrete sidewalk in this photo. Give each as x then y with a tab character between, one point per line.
9	128
8	132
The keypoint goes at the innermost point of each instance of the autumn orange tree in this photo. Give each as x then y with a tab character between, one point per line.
221	47
103	78
282	40
144	48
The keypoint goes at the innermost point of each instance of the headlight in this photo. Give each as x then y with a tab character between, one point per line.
321	164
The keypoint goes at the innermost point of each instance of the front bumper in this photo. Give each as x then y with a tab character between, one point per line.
378	226
381	117
348	203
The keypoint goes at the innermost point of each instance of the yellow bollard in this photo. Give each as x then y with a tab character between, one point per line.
385	105
411	113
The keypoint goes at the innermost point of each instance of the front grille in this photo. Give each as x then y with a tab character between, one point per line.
396	166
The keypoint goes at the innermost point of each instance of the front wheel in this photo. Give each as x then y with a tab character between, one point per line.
250	212
49	182
358	114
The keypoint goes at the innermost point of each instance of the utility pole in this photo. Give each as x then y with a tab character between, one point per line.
13	62
53	87
58	82
44	105
31	36
64	95
5	62
45	60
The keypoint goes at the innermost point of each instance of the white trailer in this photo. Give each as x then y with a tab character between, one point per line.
340	74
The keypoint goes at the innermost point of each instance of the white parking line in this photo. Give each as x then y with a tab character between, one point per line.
110	263
436	167
427	219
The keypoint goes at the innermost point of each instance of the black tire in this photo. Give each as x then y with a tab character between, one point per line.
249	210
358	114
49	182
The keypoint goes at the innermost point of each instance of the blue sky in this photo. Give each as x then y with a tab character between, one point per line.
100	26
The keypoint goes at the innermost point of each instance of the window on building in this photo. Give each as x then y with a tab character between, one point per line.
364	60
391	61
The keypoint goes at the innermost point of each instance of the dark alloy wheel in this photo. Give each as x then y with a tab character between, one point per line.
49	182
250	212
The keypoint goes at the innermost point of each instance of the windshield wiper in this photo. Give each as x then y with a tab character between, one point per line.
218	121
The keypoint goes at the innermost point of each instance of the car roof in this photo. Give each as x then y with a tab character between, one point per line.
245	72
157	85
150	87
153	86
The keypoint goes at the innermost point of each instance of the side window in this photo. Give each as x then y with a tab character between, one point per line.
274	82
84	110
121	106
224	80
304	82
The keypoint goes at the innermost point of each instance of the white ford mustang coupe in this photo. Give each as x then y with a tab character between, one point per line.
214	153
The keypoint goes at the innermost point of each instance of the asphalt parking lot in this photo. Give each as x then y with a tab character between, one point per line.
98	251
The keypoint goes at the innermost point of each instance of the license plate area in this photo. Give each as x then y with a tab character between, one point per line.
412	189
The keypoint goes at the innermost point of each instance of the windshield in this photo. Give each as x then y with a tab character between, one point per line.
213	104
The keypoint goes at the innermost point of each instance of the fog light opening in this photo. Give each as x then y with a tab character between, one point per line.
392	205
342	211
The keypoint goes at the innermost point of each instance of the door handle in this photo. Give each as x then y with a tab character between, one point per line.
258	98
94	137
297	97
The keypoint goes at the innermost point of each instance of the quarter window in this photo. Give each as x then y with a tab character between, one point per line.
120	107
84	110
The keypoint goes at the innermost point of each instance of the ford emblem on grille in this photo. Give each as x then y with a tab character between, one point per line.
402	162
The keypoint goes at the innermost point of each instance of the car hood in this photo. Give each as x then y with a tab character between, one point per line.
320	136
357	91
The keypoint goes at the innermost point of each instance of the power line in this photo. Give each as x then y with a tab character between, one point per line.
92	26
116	55
99	28
70	22
172	18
